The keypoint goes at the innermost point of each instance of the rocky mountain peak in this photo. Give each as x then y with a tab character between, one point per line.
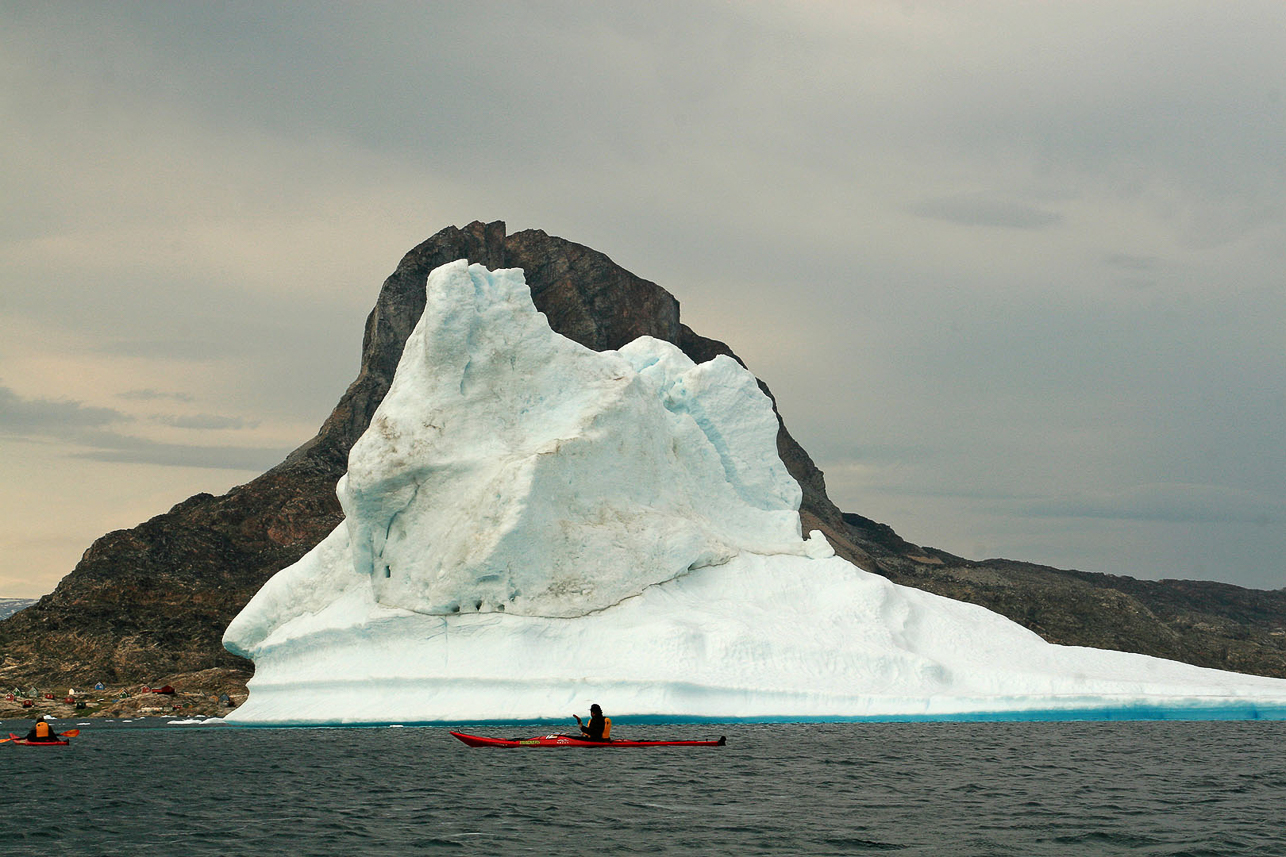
153	601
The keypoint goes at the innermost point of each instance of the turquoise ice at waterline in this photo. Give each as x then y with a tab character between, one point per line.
531	526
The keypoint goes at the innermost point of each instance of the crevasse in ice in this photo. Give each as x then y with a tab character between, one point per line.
530	523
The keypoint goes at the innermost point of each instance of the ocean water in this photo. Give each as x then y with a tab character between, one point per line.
1035	788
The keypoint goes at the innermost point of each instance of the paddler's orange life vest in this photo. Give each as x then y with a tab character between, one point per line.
42	729
607	728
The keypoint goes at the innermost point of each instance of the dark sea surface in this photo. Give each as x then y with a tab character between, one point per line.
1087	788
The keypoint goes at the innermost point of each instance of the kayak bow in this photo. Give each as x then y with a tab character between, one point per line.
572	741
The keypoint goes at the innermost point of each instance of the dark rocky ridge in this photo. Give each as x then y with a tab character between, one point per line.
154	600
1199	622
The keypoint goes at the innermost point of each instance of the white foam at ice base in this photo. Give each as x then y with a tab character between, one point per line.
531	526
197	721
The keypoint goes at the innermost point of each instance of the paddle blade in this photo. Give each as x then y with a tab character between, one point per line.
70	733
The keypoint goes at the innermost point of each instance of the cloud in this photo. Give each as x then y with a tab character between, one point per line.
1178	503
1128	262
971	210
74	423
42	417
149	395
206	421
128	449
165	349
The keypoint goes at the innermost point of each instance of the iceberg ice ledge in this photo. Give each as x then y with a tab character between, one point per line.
757	638
532	525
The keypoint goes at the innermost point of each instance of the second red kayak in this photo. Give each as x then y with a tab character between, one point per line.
572	741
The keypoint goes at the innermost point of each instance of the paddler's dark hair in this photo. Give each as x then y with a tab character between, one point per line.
593	708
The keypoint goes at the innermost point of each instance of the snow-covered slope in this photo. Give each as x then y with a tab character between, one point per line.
532	525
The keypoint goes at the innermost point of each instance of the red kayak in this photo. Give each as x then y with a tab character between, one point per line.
572	741
61	742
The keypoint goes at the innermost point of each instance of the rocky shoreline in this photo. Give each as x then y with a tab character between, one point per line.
208	693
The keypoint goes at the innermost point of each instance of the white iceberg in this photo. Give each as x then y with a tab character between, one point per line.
532	525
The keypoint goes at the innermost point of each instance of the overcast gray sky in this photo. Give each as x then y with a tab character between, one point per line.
1016	272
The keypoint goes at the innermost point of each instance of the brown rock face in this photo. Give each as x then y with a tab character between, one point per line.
154	601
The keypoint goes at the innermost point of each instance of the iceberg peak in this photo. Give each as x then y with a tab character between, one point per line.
510	469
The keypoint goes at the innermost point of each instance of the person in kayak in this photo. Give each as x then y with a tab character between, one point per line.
599	727
42	732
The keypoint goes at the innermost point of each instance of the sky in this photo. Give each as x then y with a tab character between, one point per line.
1015	272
